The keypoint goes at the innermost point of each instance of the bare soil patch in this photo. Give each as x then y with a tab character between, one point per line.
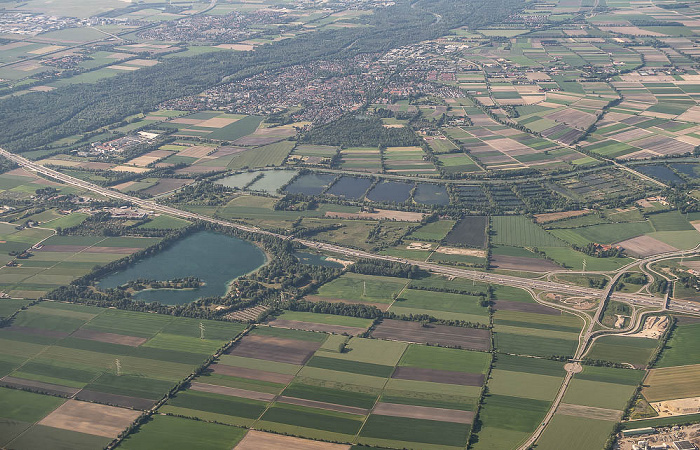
461	251
90	418
589	412
166	185
311	326
231	392
38	386
551	217
439	376
259	440
525	307
323	405
124	401
197	151
522	263
199	169
270	348
424	412
251	374
645	246
112	338
401	330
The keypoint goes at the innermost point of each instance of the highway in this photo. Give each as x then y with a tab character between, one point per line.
640	300
485	277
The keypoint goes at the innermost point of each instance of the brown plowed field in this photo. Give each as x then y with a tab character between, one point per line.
232	392
439	376
424	412
323	405
38	386
589	412
259	440
111	338
251	374
90	418
525	307
270	348
312	326
401	330
114	399
644	246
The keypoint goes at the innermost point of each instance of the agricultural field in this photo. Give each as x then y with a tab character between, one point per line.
357	288
114	357
78	376
520	392
518	231
522	326
635	350
361	159
319	386
680	349
57	260
442	305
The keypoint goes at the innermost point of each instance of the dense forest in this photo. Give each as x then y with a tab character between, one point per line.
36	119
360	131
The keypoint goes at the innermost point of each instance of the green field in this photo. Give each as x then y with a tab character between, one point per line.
265	156
575	433
635	351
682	348
610	233
598	394
518	231
445	359
441	301
182	434
328	319
433	232
165	222
358	287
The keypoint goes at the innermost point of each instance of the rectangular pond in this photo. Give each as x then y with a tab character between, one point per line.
390	191
310	184
273	180
350	187
431	194
661	173
238	180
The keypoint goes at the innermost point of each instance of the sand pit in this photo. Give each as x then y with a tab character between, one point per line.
461	251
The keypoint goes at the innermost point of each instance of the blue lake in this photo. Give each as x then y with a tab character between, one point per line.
216	259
